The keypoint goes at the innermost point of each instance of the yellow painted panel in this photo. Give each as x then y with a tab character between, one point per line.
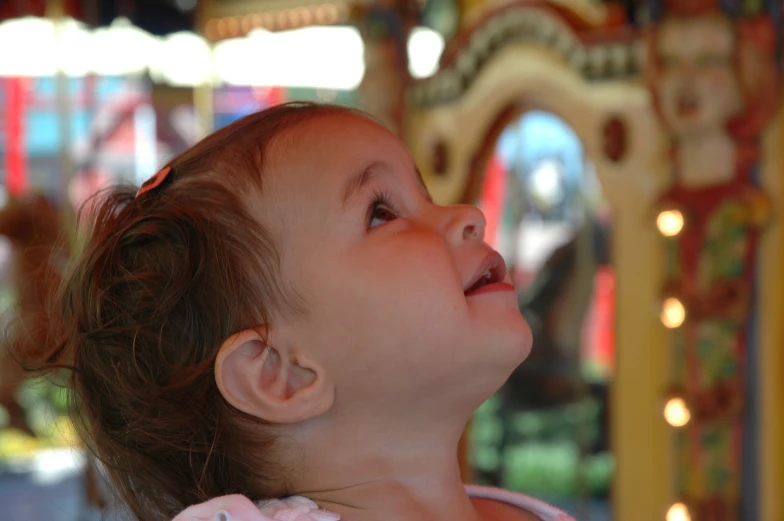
771	331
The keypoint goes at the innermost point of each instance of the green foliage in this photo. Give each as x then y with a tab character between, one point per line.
46	406
543	454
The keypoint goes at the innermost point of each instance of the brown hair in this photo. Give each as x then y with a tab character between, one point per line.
163	280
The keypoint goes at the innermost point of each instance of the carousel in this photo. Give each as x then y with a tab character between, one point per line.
626	155
674	107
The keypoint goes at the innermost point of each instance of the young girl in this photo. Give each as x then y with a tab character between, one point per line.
283	313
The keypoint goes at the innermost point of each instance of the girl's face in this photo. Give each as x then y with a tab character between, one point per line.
384	273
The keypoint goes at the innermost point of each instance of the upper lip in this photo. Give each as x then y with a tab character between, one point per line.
687	100
493	262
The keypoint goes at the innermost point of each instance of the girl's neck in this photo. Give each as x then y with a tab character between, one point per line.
382	476
394	499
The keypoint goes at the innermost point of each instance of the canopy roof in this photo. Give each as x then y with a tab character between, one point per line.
163	17
158	17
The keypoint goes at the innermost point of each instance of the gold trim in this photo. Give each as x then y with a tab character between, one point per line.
770	363
219	22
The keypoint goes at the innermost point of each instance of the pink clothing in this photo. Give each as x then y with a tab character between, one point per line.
538	508
240	508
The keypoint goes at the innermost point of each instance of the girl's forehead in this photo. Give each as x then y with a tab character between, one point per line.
336	128
328	148
307	167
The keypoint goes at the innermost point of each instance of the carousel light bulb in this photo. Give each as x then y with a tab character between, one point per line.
327	58
670	222
678	512
425	47
331	14
183	59
676	412
122	49
673	313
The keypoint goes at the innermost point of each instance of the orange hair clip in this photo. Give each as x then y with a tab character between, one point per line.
155	181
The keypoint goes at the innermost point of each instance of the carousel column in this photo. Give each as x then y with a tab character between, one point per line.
204	93
15	108
55	10
385	26
714	79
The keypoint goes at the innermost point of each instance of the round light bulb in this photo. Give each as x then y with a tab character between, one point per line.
670	222
678	512
676	412
673	313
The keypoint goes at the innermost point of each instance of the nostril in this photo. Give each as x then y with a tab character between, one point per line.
469	232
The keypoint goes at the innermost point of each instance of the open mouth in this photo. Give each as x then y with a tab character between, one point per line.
687	104
492	271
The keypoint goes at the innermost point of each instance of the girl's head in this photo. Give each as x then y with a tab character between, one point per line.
289	278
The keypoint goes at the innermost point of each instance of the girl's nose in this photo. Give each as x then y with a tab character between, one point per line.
464	223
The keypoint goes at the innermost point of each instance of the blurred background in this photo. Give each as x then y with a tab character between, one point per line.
627	155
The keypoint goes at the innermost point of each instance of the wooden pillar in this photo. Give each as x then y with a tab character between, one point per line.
204	95
713	75
385	26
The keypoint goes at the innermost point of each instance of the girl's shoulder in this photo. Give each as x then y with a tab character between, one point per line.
538	508
240	508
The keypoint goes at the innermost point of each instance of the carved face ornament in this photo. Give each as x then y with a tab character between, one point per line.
698	88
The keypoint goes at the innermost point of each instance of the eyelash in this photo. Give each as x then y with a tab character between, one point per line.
381	199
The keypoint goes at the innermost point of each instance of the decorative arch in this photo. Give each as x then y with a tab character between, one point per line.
452	122
593	54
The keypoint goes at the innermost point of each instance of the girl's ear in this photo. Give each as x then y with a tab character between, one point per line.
277	384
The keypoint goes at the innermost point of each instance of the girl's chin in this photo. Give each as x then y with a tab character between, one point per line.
509	356
513	337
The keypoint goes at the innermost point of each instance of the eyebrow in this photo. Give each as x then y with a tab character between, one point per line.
357	182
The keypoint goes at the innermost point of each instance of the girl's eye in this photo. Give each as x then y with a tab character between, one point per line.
381	213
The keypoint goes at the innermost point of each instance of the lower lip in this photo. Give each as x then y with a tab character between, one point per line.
495	287
687	109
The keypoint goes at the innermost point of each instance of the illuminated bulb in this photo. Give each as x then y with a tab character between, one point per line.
670	223
676	412
246	24
425	47
305	15
678	512
221	28
233	26
331	14
673	313
183	59
122	49
327	58
211	30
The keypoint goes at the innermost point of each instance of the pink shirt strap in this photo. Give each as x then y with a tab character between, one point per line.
538	508
296	508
